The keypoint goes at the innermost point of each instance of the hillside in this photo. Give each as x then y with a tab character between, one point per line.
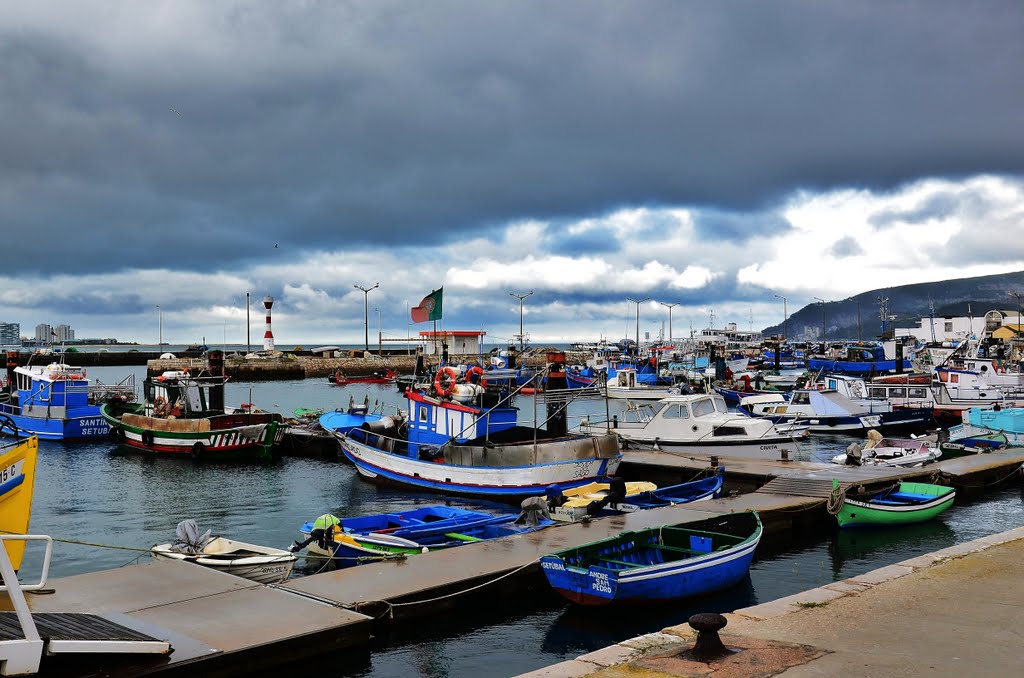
908	303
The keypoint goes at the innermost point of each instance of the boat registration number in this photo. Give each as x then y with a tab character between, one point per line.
13	471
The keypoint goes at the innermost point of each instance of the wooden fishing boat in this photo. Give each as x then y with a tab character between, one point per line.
17	484
657	564
262	564
901	504
184	416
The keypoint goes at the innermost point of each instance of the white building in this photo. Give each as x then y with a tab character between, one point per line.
10	334
459	343
944	328
64	333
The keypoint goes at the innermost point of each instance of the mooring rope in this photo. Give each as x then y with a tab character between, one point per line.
836	499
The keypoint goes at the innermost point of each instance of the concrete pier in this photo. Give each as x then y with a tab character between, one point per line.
954	613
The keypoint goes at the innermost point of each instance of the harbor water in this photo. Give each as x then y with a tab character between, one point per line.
107	507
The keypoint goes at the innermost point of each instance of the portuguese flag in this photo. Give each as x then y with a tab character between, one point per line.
429	308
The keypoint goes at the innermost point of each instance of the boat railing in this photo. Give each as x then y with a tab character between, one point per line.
47	556
124	389
19	655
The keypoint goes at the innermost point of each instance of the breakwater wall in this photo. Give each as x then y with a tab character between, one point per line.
291	366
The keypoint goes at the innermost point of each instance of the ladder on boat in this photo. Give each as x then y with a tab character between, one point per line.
25	638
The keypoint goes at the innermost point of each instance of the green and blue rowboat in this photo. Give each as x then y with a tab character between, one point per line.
903	504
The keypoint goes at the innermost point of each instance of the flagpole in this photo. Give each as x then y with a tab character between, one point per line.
436	355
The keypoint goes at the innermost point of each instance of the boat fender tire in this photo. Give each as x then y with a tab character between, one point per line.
147	438
197	451
115	433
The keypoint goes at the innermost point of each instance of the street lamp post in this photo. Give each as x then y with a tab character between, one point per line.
669	318
785	318
520	297
366	313
160	330
822	321
638	302
380	335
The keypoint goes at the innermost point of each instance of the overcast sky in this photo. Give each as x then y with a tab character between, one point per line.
707	154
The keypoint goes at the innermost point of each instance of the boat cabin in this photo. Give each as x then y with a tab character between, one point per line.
50	390
189	396
435	422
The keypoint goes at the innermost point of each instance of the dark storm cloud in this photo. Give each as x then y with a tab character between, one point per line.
202	136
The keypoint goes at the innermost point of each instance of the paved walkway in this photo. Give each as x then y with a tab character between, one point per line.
955	612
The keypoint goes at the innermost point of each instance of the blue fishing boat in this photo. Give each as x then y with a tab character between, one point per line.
657	564
858	359
465	438
351	541
343	421
56	402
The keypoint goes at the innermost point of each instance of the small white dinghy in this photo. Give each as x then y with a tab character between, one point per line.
881	451
261	564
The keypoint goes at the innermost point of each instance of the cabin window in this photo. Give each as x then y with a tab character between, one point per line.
876	392
703	407
954	378
899	392
800	398
423	414
729	431
948	326
677	412
918	393
720	405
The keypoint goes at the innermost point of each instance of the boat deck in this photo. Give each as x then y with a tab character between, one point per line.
221	624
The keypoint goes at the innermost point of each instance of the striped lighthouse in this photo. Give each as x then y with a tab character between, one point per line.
268	336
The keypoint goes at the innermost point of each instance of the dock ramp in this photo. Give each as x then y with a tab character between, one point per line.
26	637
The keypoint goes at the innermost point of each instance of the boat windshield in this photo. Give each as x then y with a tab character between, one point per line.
642	413
703	407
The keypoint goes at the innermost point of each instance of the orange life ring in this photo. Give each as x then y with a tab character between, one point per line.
475	369
444	382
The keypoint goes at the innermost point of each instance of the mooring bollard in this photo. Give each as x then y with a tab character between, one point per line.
714	461
707	625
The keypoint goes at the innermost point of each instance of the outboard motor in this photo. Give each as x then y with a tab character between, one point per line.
322	533
534	511
853	455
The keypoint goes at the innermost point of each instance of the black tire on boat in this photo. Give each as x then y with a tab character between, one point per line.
116	433
147	438
198	449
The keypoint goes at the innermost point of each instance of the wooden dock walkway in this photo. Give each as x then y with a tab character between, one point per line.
223	625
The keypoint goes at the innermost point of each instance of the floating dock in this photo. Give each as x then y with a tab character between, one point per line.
218	624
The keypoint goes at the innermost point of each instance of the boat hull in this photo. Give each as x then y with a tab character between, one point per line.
252	442
933	500
620	571
486	481
772	448
88	425
271	567
17	484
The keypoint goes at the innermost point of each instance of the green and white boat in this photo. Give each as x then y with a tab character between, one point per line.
902	504
184	416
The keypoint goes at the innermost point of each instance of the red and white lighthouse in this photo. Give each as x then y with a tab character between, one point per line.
268	336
